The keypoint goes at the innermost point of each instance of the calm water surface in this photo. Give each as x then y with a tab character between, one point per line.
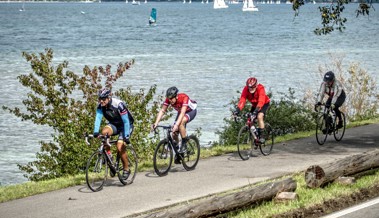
206	53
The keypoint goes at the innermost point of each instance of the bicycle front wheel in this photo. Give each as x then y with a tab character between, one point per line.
322	129
162	159
131	156
266	147
244	143
339	133
96	171
191	156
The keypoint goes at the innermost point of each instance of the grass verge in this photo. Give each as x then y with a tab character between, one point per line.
330	198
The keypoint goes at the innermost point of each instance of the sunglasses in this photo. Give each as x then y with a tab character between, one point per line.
103	99
252	87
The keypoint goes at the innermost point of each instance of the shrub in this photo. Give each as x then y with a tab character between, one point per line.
66	102
286	115
362	98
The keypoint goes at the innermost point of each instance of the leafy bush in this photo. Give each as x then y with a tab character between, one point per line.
362	98
66	102
286	115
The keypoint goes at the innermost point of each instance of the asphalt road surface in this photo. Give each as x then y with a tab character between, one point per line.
212	175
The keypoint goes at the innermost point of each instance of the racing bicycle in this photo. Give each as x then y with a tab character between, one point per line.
100	162
326	124
163	154
248	139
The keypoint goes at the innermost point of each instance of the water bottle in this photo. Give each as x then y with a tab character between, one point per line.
253	131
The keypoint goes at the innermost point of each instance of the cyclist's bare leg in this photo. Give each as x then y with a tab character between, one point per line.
107	130
182	128
121	148
261	123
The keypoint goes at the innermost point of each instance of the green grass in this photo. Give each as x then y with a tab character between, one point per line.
12	192
306	197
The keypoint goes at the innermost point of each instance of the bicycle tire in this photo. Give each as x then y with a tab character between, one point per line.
244	143
96	171
162	159
321	129
266	147
133	165
339	133
191	157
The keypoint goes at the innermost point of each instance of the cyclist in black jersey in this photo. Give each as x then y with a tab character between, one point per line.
120	122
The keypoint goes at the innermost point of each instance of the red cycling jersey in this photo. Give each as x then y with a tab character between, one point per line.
182	100
257	99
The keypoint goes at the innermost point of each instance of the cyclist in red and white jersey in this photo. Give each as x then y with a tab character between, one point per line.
336	95
186	113
255	93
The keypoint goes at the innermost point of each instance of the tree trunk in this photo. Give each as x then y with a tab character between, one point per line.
319	175
228	202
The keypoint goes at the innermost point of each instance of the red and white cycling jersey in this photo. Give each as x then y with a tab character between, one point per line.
182	100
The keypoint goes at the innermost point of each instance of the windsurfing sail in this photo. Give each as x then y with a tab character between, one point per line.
153	16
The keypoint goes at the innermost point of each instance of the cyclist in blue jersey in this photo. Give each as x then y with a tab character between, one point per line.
120	122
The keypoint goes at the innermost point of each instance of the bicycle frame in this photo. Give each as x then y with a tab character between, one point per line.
248	138
168	132
326	124
105	141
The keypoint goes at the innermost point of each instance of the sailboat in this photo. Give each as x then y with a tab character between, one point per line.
217	4
23	7
248	5
153	17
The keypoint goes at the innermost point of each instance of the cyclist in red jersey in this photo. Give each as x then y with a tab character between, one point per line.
260	102
186	113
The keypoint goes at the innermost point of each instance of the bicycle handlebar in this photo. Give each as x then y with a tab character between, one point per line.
163	127
249	114
106	137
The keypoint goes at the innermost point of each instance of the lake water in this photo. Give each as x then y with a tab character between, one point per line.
206	53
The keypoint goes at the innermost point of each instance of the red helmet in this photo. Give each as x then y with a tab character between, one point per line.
252	82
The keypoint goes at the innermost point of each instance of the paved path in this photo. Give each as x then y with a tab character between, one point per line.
212	175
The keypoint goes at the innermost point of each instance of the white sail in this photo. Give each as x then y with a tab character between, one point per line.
248	5
217	4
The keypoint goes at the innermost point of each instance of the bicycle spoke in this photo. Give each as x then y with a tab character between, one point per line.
268	133
96	171
132	165
244	143
321	129
192	155
162	159
339	133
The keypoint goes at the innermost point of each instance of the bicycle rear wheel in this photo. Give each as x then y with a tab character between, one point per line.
266	147
339	133
244	143
96	171
162	159
133	164
322	129
191	156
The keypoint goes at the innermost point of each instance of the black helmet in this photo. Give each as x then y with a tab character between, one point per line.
329	76
104	93
172	92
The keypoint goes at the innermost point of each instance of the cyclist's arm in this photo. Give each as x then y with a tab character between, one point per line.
181	115
321	93
160	114
242	101
125	119
99	116
261	97
337	89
